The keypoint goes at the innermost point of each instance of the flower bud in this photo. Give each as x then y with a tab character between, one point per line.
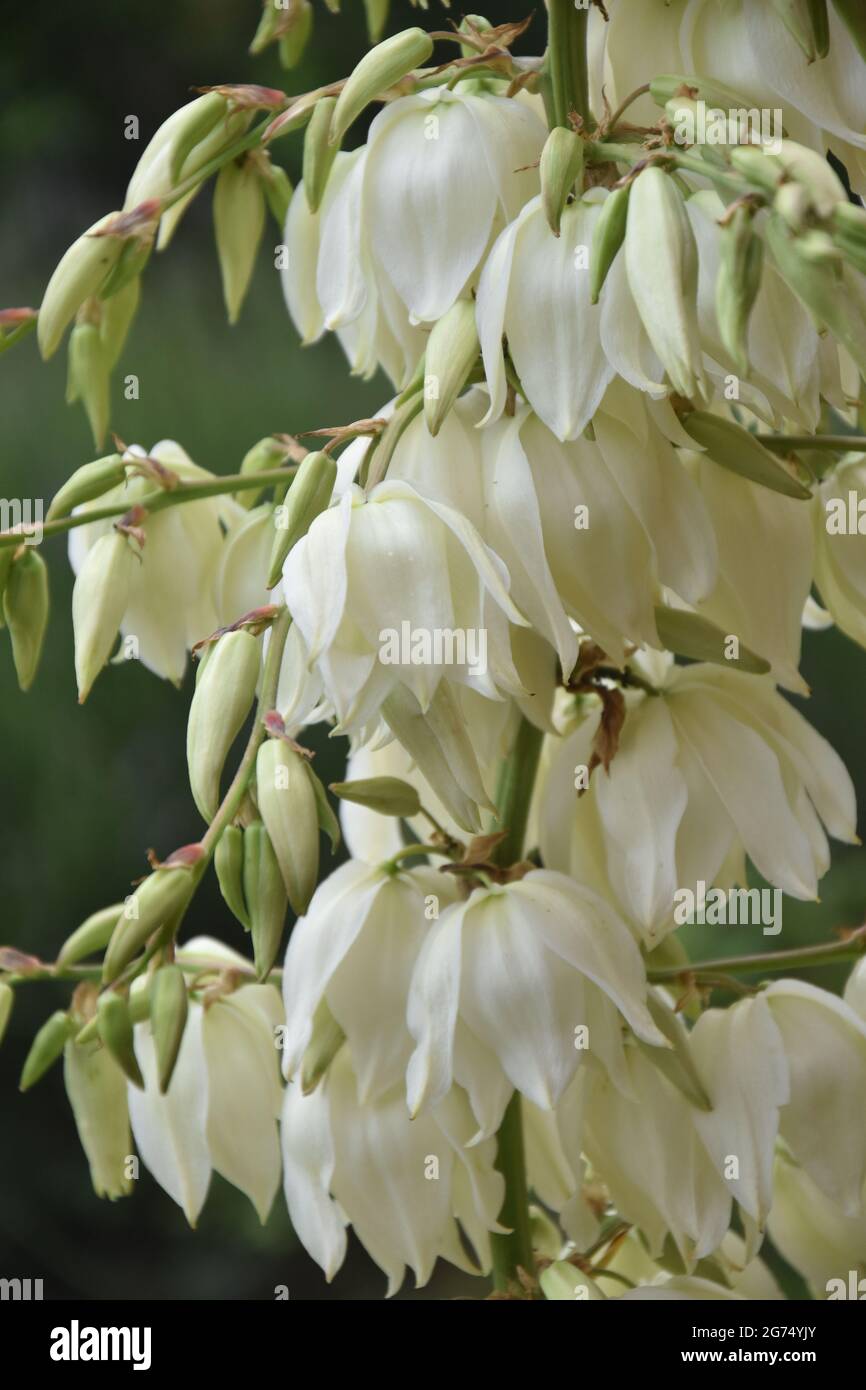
688	634
268	453
46	1048
452	351
309	494
277	188
92	936
25	604
561	167
168	1014
7	555
229	865
818	287
155	903
377	17
7	999
326	1039
117	315
319	154
734	448
200	118
853	16
607	237
293	42
849	233
88	377
99	600
390	796
87	482
220	704
759	168
96	1088
288	807
265	896
239	220
812	172
115	1030
741	258
661	262
377	71
79	274
672	86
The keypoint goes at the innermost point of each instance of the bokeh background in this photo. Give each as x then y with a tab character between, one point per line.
85	791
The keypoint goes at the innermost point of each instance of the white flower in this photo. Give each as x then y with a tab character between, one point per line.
171	603
401	1184
243	567
355	948
221	1107
716	766
542	938
812	1233
840	548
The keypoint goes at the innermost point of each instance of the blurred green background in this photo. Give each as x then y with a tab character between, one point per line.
85	791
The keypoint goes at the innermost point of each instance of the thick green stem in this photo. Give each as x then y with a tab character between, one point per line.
566	70
514	1250
514	792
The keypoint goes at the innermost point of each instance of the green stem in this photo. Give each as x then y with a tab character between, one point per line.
799	958
514	792
158	500
514	1250
844	443
566	68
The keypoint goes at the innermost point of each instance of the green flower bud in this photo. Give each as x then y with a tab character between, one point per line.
688	634
309	494
117	315
229	865
328	822
127	269
377	17
87	482
378	70
88	377
849	233
91	937
325	1042
25	604
278	193
80	273
7	999
293	42
7	555
220	704
811	171
168	1014
853	16
673	87
561	168
759	168
452	352
268	453
46	1048
265	896
545	1234
201	117
607	238
155	902
390	796
96	1088
319	154
287	804
739	280
115	1030
734	448
820	289
99	600
239	220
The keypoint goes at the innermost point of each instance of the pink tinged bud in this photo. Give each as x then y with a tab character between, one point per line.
156	902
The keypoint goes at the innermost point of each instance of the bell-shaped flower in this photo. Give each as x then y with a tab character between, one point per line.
716	766
814	1235
355	950
543	937
402	1185
840	545
171	597
221	1107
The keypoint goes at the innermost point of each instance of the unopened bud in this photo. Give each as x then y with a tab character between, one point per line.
378	70
741	258
220	704
759	168
607	237
46	1048
814	174
239	220
309	494
265	896
99	601
80	273
25	605
545	1234
115	1030
268	453
688	634
117	315
7	999
96	1088
88	377
735	448
168	1013
377	17
452	352
229	866
91	937
672	87
278	193
200	118
154	904
287	804
390	796
87	482
294	40
820	289
849	233
561	167
319	153
326	1039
